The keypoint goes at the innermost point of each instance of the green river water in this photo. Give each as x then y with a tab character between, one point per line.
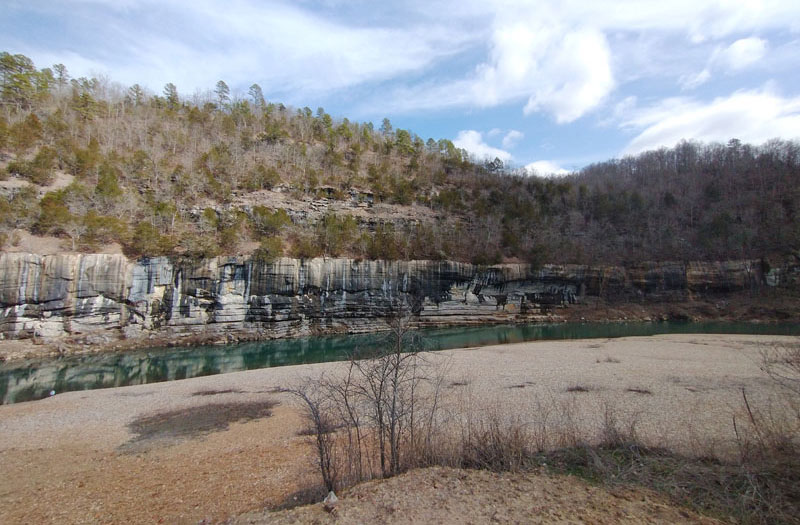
29	380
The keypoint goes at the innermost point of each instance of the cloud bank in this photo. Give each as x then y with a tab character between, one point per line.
544	168
750	116
473	142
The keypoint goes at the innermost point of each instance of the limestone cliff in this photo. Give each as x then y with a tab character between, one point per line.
49	296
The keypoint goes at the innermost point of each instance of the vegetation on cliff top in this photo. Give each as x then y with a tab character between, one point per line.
161	174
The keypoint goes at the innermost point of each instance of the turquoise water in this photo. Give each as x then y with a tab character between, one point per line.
25	381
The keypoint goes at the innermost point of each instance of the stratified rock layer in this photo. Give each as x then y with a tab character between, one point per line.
49	296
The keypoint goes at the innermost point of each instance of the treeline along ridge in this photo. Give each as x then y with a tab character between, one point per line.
160	174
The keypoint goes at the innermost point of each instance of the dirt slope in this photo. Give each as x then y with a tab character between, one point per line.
442	495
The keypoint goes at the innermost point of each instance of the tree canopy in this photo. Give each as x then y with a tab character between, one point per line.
165	174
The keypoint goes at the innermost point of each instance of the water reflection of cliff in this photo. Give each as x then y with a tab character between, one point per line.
35	380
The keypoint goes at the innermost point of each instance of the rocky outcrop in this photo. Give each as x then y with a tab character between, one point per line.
49	296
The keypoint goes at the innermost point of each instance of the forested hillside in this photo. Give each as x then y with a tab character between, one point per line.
95	163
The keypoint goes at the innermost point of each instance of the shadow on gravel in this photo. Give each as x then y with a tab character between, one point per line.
167	428
216	392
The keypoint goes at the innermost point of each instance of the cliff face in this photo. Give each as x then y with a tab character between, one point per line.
48	296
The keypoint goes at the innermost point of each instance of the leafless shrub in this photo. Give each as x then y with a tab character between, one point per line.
496	443
541	431
319	414
782	363
767	431
614	432
758	487
377	417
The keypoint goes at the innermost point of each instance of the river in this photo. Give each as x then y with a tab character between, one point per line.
30	380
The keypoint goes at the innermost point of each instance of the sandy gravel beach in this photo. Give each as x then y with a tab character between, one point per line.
162	453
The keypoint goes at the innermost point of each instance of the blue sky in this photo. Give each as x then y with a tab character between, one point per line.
551	85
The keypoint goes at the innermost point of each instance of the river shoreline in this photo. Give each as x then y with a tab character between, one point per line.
764	308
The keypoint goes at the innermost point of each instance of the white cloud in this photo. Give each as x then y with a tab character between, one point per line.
557	68
565	58
621	111
73	61
545	167
742	53
494	132
579	76
735	57
751	116
304	50
512	138
695	80
472	141
286	47
698	20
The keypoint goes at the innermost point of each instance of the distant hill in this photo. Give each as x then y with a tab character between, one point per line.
98	164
